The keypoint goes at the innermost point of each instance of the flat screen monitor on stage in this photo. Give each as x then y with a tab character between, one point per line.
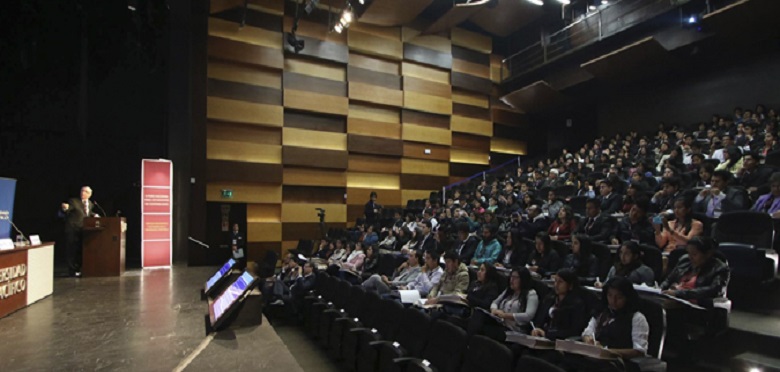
226	302
219	275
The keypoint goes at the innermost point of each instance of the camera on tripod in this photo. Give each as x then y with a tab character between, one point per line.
320	214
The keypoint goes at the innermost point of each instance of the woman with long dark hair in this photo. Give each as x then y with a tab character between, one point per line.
543	260
513	252
563	225
670	235
581	258
515	307
563	312
630	266
484	290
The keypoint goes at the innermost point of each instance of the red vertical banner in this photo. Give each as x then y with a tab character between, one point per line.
156	212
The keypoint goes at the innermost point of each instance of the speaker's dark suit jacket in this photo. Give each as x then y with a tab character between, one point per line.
74	216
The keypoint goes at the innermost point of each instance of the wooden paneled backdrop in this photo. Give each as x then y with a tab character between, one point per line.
350	114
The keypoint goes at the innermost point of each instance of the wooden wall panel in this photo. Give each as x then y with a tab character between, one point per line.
264	232
374	128
425	119
242	172
314	122
424	182
468	141
315	102
374	113
374	163
314	139
427	56
418	133
362	42
375	94
426	167
321	69
244	92
496	68
472	40
472	126
387	198
374	64
221	5
248	34
308	213
471	83
244	192
418	71
254	75
466	170
424	102
313	194
314	177
427	87
471	111
244	112
231	50
439	43
263	213
315	158
377	181
469	156
293	232
315	30
416	150
513	132
294	81
470	68
256	251
470	98
243	152
243	133
507	146
266	20
362	75
374	145
508	117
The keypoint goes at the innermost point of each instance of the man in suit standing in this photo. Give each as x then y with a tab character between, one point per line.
74	212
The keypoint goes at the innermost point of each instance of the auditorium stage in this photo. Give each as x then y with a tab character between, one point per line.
143	321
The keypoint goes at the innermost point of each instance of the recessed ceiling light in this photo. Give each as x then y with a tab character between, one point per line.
536	2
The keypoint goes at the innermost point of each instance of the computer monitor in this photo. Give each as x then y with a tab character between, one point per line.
219	276
226	302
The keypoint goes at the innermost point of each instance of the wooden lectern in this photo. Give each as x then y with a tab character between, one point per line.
104	246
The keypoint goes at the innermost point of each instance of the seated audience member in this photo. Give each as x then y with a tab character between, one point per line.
705	175
489	248
430	274
403	275
753	176
720	197
339	252
513	253
277	287
534	223
770	203
300	287
581	258
414	243
516	307
563	313
635	226
552	205
402	238
484	290
598	226
732	160
370	263
544	260
370	237
466	245
563	226
633	192
620	328
669	236
388	243
428	241
699	276
664	200
325	250
455	280
630	266
586	190
350	267
609	200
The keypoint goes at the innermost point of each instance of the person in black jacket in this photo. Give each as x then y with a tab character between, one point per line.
598	226
466	244
544	260
581	260
563	313
635	226
370	263
74	212
372	209
513	253
610	201
484	290
699	276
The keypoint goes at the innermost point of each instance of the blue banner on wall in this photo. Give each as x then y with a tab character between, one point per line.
7	192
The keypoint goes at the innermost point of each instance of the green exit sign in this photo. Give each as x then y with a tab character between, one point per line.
227	194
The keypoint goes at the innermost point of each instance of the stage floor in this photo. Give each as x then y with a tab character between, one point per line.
144	321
